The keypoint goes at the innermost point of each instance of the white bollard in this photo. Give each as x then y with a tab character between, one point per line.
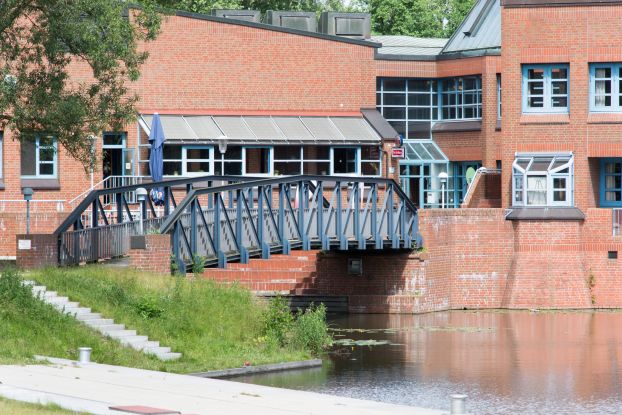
458	405
85	354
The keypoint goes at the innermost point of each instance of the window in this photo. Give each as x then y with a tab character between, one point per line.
197	161
370	161
545	88
611	182
38	157
605	87
114	140
499	96
230	163
287	160
316	160
542	180
258	160
172	156
461	98
408	104
345	160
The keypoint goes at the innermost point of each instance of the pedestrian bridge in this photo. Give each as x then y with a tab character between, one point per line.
221	219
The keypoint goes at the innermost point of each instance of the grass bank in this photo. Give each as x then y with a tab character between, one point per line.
214	326
8	407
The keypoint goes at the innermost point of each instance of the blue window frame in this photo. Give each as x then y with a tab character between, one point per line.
39	157
545	88
606	87
611	182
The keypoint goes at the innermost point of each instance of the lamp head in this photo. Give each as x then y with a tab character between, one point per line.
141	194
222	144
28	192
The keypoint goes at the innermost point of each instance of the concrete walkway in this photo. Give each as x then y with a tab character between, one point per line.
94	388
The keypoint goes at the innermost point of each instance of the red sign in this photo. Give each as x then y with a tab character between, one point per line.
398	152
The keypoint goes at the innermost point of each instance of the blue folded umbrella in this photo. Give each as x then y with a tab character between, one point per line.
156	160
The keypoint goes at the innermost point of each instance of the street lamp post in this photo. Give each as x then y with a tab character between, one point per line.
443	178
28	192
141	195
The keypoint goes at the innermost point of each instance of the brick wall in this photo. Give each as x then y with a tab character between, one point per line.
576	35
36	251
151	253
473	259
13	223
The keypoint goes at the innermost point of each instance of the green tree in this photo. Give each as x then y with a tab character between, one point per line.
205	6
65	66
422	18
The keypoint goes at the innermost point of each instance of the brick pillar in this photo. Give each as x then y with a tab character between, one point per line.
151	253
36	251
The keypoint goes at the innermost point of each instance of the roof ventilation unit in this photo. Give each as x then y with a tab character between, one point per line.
353	25
292	20
246	15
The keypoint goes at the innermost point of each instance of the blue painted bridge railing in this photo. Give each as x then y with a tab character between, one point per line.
256	218
100	226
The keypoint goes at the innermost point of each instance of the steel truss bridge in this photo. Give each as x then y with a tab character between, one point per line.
221	219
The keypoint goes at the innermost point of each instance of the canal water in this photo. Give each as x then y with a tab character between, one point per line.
507	362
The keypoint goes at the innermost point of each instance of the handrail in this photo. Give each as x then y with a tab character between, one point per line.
95	194
478	172
192	194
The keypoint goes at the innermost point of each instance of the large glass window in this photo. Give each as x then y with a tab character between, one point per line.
462	98
542	180
545	88
39	157
409	103
611	182
316	160
606	87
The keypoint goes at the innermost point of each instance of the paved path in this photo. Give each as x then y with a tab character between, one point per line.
94	387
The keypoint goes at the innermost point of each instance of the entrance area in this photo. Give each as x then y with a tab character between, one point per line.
116	159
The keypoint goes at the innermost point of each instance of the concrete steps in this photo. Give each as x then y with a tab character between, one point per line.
105	326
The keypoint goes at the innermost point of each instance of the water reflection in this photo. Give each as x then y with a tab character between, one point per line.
507	362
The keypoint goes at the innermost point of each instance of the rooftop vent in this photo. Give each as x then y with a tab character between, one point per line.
292	19
246	15
353	25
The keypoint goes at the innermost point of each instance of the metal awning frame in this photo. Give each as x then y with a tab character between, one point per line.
254	140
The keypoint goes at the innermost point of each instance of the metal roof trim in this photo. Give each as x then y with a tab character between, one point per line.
265	26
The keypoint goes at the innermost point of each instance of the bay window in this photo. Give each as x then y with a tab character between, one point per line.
545	88
606	87
542	179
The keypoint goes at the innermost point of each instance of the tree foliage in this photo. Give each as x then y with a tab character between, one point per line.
65	66
422	18
205	6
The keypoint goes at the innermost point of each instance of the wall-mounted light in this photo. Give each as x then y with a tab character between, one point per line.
355	266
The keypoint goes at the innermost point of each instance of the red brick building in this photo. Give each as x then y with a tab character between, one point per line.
530	87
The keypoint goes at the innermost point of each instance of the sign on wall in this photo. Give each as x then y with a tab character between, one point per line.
398	152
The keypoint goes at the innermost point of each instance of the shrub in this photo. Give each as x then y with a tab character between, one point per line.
278	321
310	331
148	307
198	264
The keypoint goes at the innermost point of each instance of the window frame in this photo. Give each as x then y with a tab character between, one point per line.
184	160
38	161
550	174
602	182
459	92
357	160
270	160
547	95
616	88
